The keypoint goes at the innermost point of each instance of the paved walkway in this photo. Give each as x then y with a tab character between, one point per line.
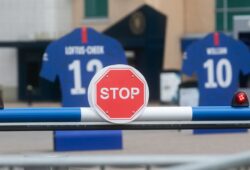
136	142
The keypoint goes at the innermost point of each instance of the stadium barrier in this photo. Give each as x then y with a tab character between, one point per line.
152	118
16	119
84	114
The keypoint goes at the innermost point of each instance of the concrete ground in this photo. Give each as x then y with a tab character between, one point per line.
135	142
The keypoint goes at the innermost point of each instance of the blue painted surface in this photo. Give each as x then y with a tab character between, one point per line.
217	131
87	140
40	115
220	113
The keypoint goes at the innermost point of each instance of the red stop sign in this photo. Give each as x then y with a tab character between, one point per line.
119	93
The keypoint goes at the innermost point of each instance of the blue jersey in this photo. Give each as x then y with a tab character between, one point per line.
217	60
75	58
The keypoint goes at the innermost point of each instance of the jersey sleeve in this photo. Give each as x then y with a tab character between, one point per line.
189	59
49	65
244	55
117	52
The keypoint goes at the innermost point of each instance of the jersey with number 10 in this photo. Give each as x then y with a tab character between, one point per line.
75	58
217	60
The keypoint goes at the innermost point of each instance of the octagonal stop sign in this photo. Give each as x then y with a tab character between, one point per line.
119	93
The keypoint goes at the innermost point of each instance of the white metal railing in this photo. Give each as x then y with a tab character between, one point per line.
58	161
105	162
238	161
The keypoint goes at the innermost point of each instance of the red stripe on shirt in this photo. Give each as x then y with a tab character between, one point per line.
84	35
216	39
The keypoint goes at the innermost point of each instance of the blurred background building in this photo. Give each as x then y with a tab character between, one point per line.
27	27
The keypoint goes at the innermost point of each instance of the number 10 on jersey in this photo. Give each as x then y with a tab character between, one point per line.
215	72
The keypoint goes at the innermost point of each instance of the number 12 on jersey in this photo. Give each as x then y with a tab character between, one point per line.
93	65
215	72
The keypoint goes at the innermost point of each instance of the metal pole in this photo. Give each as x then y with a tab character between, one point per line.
155	125
234	161
57	160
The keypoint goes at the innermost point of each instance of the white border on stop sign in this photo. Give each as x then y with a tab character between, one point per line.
92	93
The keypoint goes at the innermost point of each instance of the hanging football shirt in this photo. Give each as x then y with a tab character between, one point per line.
217	61
75	58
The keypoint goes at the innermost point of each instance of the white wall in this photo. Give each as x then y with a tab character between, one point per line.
8	73
28	20
34	19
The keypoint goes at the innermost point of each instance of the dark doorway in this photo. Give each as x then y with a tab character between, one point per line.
245	79
142	32
29	63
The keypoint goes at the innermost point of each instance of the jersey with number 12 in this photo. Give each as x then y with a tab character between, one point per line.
75	58
217	60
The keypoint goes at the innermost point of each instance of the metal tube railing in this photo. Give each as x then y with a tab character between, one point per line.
56	160
241	160
154	125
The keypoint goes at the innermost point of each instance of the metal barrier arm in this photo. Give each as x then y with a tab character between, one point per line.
152	114
27	119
